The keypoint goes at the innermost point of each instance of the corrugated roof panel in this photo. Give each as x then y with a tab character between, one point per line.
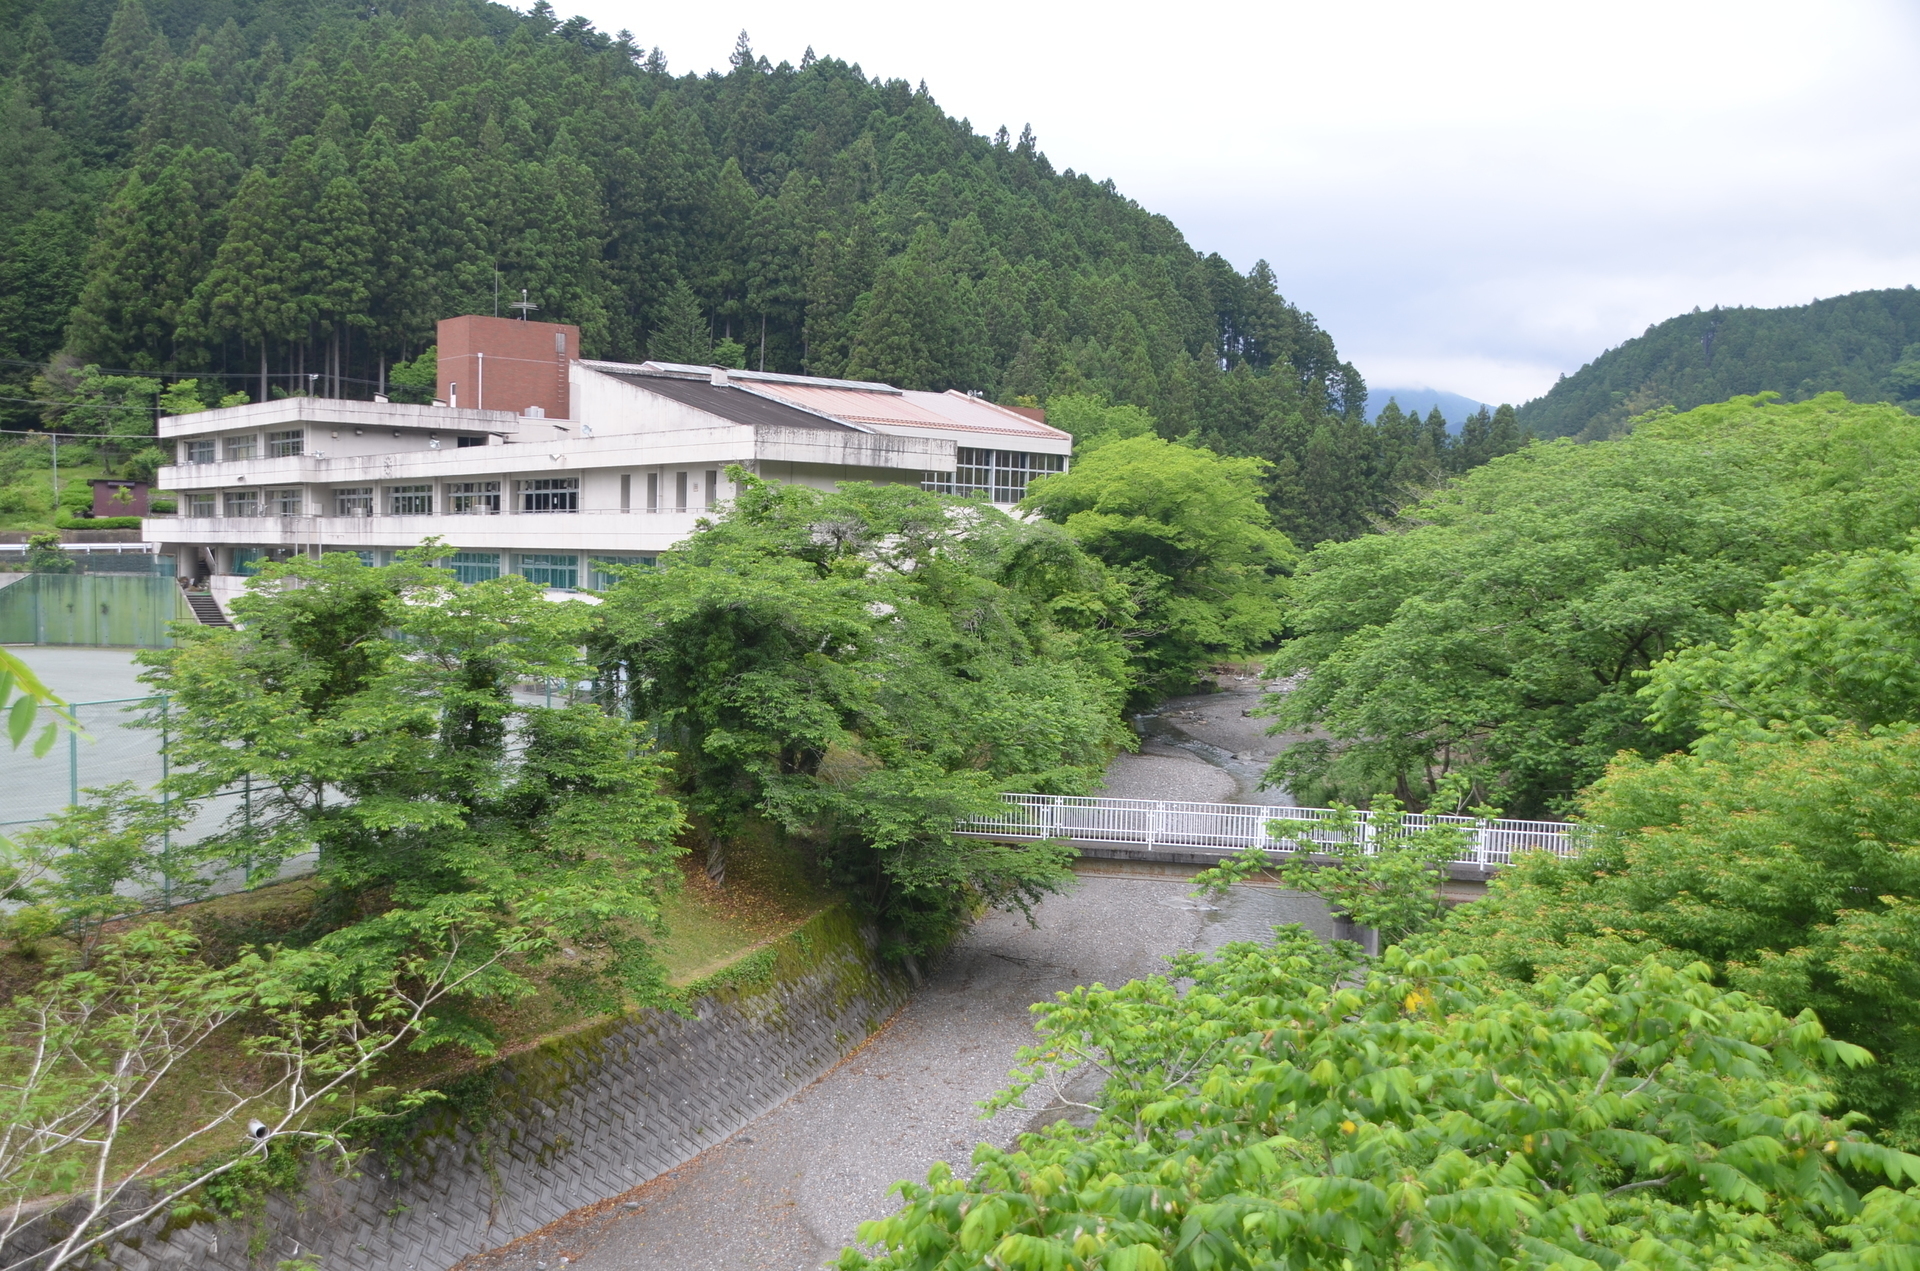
978	414
952	412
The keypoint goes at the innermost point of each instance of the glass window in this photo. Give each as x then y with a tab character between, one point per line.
240	447
712	488
548	570
463	442
679	491
973	473
473	498
366	557
355	500
200	451
284	502
550	494
282	444
242	503
474	567
203	503
653	492
410	500
247	561
600	575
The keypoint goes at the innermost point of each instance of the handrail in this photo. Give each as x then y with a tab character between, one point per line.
1166	824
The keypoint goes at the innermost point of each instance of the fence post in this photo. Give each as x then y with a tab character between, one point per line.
73	768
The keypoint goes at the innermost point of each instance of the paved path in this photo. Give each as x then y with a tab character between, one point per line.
788	1192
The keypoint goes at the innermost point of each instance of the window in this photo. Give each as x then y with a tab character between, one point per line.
247	561
600	575
284	502
203	503
712	488
282	444
475	567
242	503
653	492
1001	475
562	572
366	557
463	442
550	494
410	500
355	500
200	451
974	473
240	447
473	498
626	492
679	491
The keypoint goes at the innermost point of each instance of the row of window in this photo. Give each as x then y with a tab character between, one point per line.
457	498
559	570
1000	475
279	446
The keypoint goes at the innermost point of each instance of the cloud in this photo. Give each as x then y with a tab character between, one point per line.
1492	191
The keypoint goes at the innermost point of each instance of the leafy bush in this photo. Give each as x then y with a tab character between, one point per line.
1279	1114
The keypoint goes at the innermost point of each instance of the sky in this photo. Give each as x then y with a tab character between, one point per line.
1476	196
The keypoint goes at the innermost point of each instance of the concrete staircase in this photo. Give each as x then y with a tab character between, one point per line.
206	609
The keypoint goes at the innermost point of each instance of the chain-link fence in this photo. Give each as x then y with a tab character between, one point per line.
122	739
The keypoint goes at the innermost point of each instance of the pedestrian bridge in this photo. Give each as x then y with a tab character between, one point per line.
1203	833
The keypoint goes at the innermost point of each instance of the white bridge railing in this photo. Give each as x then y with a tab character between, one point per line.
1228	827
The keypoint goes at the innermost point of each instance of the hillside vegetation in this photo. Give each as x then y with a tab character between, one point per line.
1866	345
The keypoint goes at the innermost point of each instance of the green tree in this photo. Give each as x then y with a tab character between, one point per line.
370	709
1835	646
1503	630
861	669
1276	1111
1786	868
1185	529
681	332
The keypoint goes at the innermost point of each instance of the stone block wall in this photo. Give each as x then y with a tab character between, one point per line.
570	1122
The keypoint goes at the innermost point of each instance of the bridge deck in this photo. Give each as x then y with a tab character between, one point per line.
1205	833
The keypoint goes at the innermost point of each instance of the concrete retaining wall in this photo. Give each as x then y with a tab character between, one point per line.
570	1122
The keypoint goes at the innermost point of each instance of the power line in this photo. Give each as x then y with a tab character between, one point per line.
189	375
35	432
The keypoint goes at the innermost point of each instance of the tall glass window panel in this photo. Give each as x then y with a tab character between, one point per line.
247	561
201	451
241	503
203	503
353	500
284	502
711	488
973	473
282	444
549	570
473	498
626	492
475	567
653	492
410	500
550	494
239	447
679	491
600	575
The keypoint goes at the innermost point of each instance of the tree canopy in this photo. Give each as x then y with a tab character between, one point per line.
1502	628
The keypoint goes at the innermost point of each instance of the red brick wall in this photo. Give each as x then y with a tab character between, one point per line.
506	364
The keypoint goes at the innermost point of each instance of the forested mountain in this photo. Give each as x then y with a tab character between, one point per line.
288	195
1866	345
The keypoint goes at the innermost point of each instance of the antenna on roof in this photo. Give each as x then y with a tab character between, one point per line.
524	305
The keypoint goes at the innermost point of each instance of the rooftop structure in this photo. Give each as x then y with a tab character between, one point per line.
533	460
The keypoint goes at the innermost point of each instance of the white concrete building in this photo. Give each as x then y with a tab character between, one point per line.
640	455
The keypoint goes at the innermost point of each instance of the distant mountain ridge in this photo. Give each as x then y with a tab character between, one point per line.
1865	344
1418	401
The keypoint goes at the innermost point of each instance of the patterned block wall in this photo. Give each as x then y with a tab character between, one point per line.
574	1121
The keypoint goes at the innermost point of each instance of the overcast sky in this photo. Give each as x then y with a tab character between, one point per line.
1475	197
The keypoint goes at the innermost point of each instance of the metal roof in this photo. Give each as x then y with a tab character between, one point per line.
731	403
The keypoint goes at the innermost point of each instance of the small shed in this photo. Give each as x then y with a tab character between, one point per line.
113	496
